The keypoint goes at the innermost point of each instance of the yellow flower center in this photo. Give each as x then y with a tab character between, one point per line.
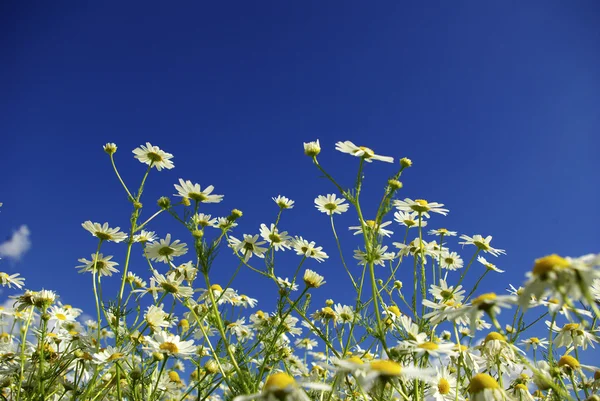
368	152
482	381
174	377
61	316
216	287
327	312
571	326
154	157
534	340
522	387
494	336
395	310
420	205
484	298
568	361
386	367
169	347
279	381
549	263
443	386
429	346
356	360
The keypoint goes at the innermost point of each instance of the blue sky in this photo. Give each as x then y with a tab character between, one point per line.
496	104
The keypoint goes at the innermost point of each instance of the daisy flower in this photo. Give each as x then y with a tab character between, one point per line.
154	156
488	265
572	334
442	231
312	279
484	387
278	240
109	354
156	318
61	314
420	206
385	369
443	292
286	284
444	387
361	151
104	232
99	263
283	387
204	220
164	250
482	243
451	261
172	283
187	189
330	204
305	343
534	343
145	236
378	256
170	345
9	280
228	295
430	348
308	249
283	202
370	225
409	219
248	246
344	313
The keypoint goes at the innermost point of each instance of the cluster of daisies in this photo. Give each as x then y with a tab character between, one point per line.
172	333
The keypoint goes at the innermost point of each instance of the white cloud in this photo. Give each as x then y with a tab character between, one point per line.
15	247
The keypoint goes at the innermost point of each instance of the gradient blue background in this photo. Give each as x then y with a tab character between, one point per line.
497	104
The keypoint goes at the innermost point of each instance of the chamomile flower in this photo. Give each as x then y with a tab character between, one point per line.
385	369
420	206
451	261
305	343
187	189
308	249
377	255
482	244
248	247
360	151
13	279
409	219
572	334
330	204
279	240
283	202
170	345
102	265
229	295
534	343
444	387
104	232
484	387
312	149
145	236
61	314
154	156
110	354
204	220
157	318
286	284
165	250
245	301
442	231
433	349
488	265
370	226
312	279
283	387
173	284
443	292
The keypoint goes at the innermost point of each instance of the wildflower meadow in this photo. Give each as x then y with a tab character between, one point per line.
411	330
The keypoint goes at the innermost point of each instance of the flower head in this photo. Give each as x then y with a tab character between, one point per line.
154	156
330	204
187	189
104	232
361	151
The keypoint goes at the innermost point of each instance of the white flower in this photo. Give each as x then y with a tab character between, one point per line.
104	232
248	247
344	314
443	292
145	236
187	189
305	343
451	261
283	202
278	240
171	345
378	256
283	387
286	284
444	388
535	343
154	156
165	250
572	334
9	280
99	263
420	206
482	243
204	220
156	318
442	231
431	348
389	370
312	279
370	225
330	204
61	314
484	387
488	265
409	219
308	249
172	283
109	354
228	295
361	151
242	331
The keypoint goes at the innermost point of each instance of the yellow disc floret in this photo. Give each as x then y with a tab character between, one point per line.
279	381
482	381
549	263
387	367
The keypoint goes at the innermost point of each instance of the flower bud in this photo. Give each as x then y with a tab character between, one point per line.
312	149
405	162
394	184
137	205
398	285
198	234
329	302
157	356
235	214
110	148
164	202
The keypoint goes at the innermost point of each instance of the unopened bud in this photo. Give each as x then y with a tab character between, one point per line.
110	148
312	149
398	285
164	202
405	162
329	302
198	234
235	214
394	184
